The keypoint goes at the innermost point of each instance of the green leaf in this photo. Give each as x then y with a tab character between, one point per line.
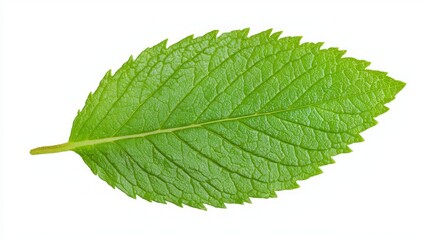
222	119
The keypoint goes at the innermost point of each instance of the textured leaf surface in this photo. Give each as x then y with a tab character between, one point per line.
221	119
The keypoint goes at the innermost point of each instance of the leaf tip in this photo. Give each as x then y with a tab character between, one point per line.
399	85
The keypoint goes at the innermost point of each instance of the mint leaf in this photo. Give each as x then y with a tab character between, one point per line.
215	120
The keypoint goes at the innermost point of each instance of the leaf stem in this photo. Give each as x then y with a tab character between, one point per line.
53	149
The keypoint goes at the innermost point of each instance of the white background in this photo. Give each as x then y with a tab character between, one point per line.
53	53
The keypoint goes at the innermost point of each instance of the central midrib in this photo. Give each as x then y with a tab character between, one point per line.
73	145
84	143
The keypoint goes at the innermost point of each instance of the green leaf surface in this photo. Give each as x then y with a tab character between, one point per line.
222	119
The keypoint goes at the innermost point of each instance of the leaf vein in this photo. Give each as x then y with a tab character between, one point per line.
214	161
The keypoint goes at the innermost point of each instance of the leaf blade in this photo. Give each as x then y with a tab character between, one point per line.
220	119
